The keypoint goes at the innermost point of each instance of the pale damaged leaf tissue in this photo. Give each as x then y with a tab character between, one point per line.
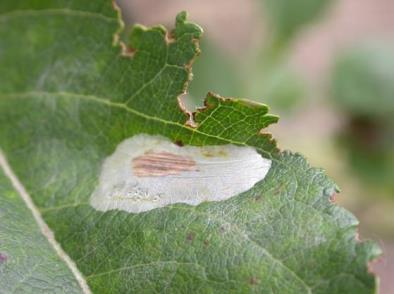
147	172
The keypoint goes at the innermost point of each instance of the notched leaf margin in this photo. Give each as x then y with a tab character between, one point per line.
182	25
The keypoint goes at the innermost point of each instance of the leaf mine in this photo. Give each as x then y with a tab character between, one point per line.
147	172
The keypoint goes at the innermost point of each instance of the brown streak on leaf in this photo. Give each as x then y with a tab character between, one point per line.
161	164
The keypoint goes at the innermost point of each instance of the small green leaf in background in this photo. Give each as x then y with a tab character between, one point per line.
362	88
363	81
68	98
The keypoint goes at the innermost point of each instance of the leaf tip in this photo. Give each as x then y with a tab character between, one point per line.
183	26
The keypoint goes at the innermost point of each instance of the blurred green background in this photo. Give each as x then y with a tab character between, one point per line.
327	68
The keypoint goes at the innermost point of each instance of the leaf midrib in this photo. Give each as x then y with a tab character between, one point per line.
42	225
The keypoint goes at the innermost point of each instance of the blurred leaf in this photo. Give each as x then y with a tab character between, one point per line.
363	81
369	146
277	86
362	87
288	16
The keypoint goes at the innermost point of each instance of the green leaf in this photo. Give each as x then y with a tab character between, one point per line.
27	261
68	99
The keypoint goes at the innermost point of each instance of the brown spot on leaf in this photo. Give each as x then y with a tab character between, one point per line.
253	281
206	243
333	198
222	229
190	237
153	164
3	258
128	51
179	143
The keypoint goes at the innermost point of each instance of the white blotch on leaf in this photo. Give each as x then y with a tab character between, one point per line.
147	172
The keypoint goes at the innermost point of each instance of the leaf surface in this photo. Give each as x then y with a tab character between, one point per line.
68	98
28	263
